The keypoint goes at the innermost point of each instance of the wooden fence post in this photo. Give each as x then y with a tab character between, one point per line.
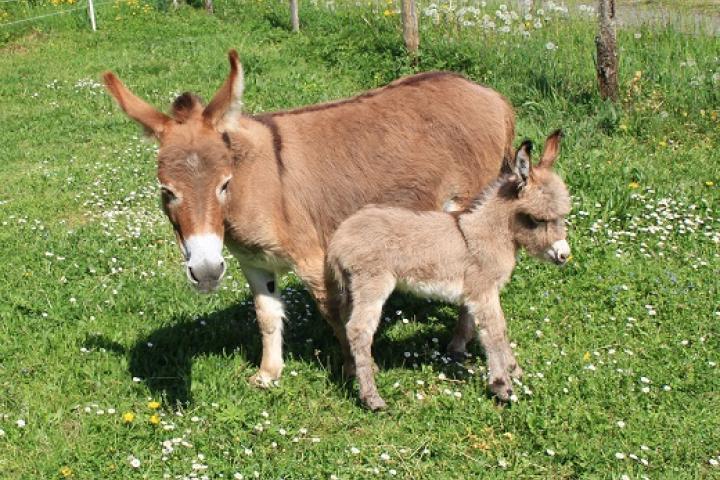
410	26
209	6
607	58
294	16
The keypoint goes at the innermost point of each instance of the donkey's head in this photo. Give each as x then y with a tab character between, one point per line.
542	203
194	168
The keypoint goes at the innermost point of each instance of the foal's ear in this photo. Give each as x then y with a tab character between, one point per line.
522	165
551	150
226	105
142	112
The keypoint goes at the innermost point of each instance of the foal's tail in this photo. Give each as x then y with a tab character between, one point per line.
338	280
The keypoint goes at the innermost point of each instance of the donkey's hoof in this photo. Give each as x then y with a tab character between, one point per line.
374	402
262	380
502	388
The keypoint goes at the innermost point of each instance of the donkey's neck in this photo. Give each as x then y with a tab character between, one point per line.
486	226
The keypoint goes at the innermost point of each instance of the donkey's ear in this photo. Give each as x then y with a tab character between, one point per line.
226	105
522	165
551	150
142	112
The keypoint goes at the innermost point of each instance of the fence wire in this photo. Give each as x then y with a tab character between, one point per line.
61	12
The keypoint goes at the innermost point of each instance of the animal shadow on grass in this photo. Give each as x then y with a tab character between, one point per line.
163	359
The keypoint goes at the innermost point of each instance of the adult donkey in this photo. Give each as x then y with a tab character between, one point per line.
274	187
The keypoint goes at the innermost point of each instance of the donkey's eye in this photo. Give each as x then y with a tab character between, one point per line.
224	187
167	194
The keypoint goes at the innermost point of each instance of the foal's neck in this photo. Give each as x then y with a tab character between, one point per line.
486	225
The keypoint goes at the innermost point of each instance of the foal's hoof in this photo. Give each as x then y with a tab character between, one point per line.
262	380
374	402
516	371
502	388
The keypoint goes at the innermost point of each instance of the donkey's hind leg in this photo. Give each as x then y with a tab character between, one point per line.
368	297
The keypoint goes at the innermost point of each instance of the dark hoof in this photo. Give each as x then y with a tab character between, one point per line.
374	403
502	388
458	357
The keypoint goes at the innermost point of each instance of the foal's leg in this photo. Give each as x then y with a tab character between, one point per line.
492	332
270	312
368	296
464	332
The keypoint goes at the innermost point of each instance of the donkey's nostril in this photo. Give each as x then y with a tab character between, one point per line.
192	275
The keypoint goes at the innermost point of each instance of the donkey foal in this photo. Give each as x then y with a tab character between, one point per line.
463	258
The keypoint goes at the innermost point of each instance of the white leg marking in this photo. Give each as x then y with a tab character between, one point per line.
270	312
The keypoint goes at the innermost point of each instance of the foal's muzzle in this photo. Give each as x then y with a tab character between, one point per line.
559	252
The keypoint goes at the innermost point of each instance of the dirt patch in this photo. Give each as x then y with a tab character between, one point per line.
24	44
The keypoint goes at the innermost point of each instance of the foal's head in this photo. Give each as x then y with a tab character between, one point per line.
538	223
194	168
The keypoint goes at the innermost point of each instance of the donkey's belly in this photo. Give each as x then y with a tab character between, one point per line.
446	290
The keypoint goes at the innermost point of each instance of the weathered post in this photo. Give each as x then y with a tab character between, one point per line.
410	26
209	6
607	58
91	14
294	16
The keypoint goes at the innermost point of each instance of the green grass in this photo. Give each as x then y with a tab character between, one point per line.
92	293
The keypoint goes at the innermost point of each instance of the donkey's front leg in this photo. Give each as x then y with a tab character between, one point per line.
492	332
270	312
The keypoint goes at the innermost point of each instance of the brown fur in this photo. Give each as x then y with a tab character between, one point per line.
465	259
418	143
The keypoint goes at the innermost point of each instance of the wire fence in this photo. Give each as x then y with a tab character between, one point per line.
83	6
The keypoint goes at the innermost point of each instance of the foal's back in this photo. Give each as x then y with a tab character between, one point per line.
380	240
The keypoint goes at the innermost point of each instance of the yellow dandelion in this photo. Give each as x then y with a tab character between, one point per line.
586	357
623	127
154	419
128	417
662	143
710	183
66	472
634	185
154	405
387	13
714	115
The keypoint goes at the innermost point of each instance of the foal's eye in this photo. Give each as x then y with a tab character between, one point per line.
531	221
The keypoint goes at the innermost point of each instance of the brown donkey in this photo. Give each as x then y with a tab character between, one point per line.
274	187
461	258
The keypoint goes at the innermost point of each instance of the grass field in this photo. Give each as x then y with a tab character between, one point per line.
97	321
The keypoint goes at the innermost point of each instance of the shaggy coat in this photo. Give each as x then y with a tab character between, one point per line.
274	187
464	259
